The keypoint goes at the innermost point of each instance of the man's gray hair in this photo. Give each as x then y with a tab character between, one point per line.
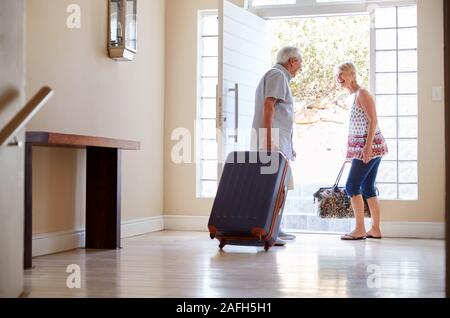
287	53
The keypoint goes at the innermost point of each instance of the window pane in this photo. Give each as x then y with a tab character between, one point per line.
209	170
388	126
407	127
387	191
407	149
209	87
208	108
392	147
407	172
208	129
407	38
210	66
407	16
407	83
407	61
210	46
387	171
386	83
210	25
208	189
386	61
386	105
407	105
409	192
385	17
386	40
209	150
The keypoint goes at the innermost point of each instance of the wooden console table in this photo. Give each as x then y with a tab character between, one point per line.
103	186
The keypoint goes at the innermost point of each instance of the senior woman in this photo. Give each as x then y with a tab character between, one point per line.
366	147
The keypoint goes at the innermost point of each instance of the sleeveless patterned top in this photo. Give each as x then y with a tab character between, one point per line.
357	137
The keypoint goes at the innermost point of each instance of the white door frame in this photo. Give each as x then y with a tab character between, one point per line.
305	8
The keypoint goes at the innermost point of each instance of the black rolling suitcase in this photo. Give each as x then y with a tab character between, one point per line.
250	199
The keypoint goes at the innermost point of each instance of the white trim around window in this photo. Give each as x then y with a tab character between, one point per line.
207	66
307	8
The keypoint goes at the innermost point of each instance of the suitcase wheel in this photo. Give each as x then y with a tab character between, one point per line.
212	236
222	245
267	246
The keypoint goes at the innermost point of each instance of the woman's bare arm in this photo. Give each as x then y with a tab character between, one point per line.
367	103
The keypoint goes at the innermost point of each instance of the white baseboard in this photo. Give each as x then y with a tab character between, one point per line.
142	226
44	244
186	223
421	230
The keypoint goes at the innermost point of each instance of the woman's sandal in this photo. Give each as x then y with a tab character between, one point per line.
373	237
349	237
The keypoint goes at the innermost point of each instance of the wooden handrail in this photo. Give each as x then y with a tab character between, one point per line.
25	115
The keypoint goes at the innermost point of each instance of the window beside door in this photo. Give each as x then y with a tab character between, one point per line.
394	60
207	153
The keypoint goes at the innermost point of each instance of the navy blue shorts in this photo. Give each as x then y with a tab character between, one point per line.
362	177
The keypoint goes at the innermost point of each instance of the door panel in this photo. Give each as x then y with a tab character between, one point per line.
244	57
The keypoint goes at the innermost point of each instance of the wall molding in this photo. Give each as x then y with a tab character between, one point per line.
186	223
421	230
50	243
142	226
44	244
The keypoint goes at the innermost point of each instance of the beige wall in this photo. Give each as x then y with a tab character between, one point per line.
95	95
431	204
179	194
181	102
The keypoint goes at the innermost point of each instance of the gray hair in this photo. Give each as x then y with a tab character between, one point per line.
287	53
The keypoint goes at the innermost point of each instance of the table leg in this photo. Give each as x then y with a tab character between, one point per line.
103	186
28	223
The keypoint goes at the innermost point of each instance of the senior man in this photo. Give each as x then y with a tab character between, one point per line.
274	112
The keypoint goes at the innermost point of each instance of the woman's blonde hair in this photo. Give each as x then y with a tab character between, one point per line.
346	67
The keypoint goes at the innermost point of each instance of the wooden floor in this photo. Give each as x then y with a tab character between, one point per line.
185	264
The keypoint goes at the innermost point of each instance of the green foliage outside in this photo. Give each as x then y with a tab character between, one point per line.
325	42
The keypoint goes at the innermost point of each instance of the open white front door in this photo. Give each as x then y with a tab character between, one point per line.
244	57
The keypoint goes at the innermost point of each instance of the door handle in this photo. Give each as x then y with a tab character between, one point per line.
15	143
236	111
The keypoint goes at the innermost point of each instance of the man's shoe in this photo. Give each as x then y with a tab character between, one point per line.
286	236
280	242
